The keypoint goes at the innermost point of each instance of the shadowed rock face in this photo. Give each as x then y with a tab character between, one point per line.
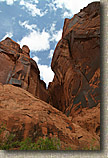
18	69
76	63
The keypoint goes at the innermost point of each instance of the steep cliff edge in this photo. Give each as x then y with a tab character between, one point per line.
76	63
18	69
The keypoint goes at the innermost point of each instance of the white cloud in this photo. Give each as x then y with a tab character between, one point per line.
35	1
8	34
56	36
36	40
51	53
52	29
35	58
67	14
32	8
52	6
27	26
46	73
73	6
9	2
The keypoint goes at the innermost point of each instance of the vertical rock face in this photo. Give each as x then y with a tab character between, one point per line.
76	63
18	69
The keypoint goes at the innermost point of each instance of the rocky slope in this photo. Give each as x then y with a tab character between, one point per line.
18	69
76	63
27	116
74	91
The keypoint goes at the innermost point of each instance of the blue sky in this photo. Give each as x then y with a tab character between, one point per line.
38	24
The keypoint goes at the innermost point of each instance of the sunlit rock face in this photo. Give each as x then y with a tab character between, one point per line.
18	69
27	116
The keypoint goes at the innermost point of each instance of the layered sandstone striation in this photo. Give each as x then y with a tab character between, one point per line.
27	116
18	69
76	63
74	91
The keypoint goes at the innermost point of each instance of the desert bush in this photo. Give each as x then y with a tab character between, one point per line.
10	143
92	146
41	144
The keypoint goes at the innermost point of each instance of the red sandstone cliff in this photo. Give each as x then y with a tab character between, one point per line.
76	63
18	69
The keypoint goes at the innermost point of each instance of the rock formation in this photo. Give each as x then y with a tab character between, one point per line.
27	116
74	91
76	63
18	69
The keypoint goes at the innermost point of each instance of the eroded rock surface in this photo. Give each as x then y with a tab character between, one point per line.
18	69
89	119
27	116
76	63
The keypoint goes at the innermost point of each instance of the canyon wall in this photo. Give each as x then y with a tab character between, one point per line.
18	69
76	63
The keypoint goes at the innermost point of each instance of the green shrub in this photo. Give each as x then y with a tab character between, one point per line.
68	148
48	144
27	144
42	144
92	146
9	142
